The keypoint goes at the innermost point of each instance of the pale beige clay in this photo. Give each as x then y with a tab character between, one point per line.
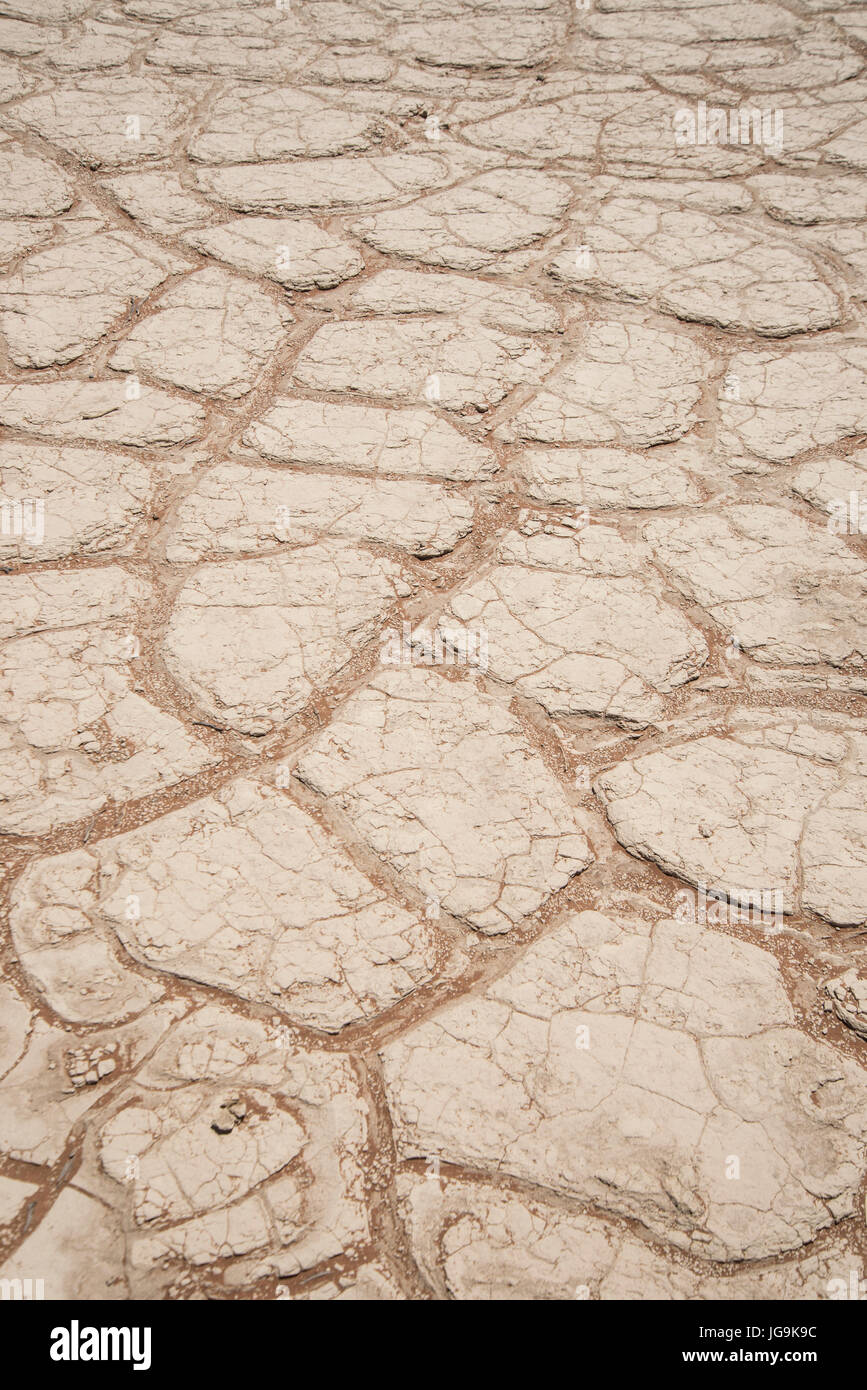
433	651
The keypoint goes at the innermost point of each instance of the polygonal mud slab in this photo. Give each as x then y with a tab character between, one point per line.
847	996
784	403
579	625
613	479
95	47
76	734
479	41
222	1149
626	385
787	590
108	122
253	639
640	140
693	24
367	439
18	237
57	1074
774	806
478	1241
235	55
248	126
564	129
296	254
244	892
814	61
64	502
699	268
470	226
439	780
317	184
272	1137
55	1246
417	292
213	333
236	509
836	487
106	412
65	299
68	954
804	201
459	366
159	200
625	1065
30	186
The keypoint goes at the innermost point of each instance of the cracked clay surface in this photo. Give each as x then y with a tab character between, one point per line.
433	649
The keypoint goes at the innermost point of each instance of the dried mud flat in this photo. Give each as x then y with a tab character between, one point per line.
433	466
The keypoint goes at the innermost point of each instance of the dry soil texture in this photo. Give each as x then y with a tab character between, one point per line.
433	648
